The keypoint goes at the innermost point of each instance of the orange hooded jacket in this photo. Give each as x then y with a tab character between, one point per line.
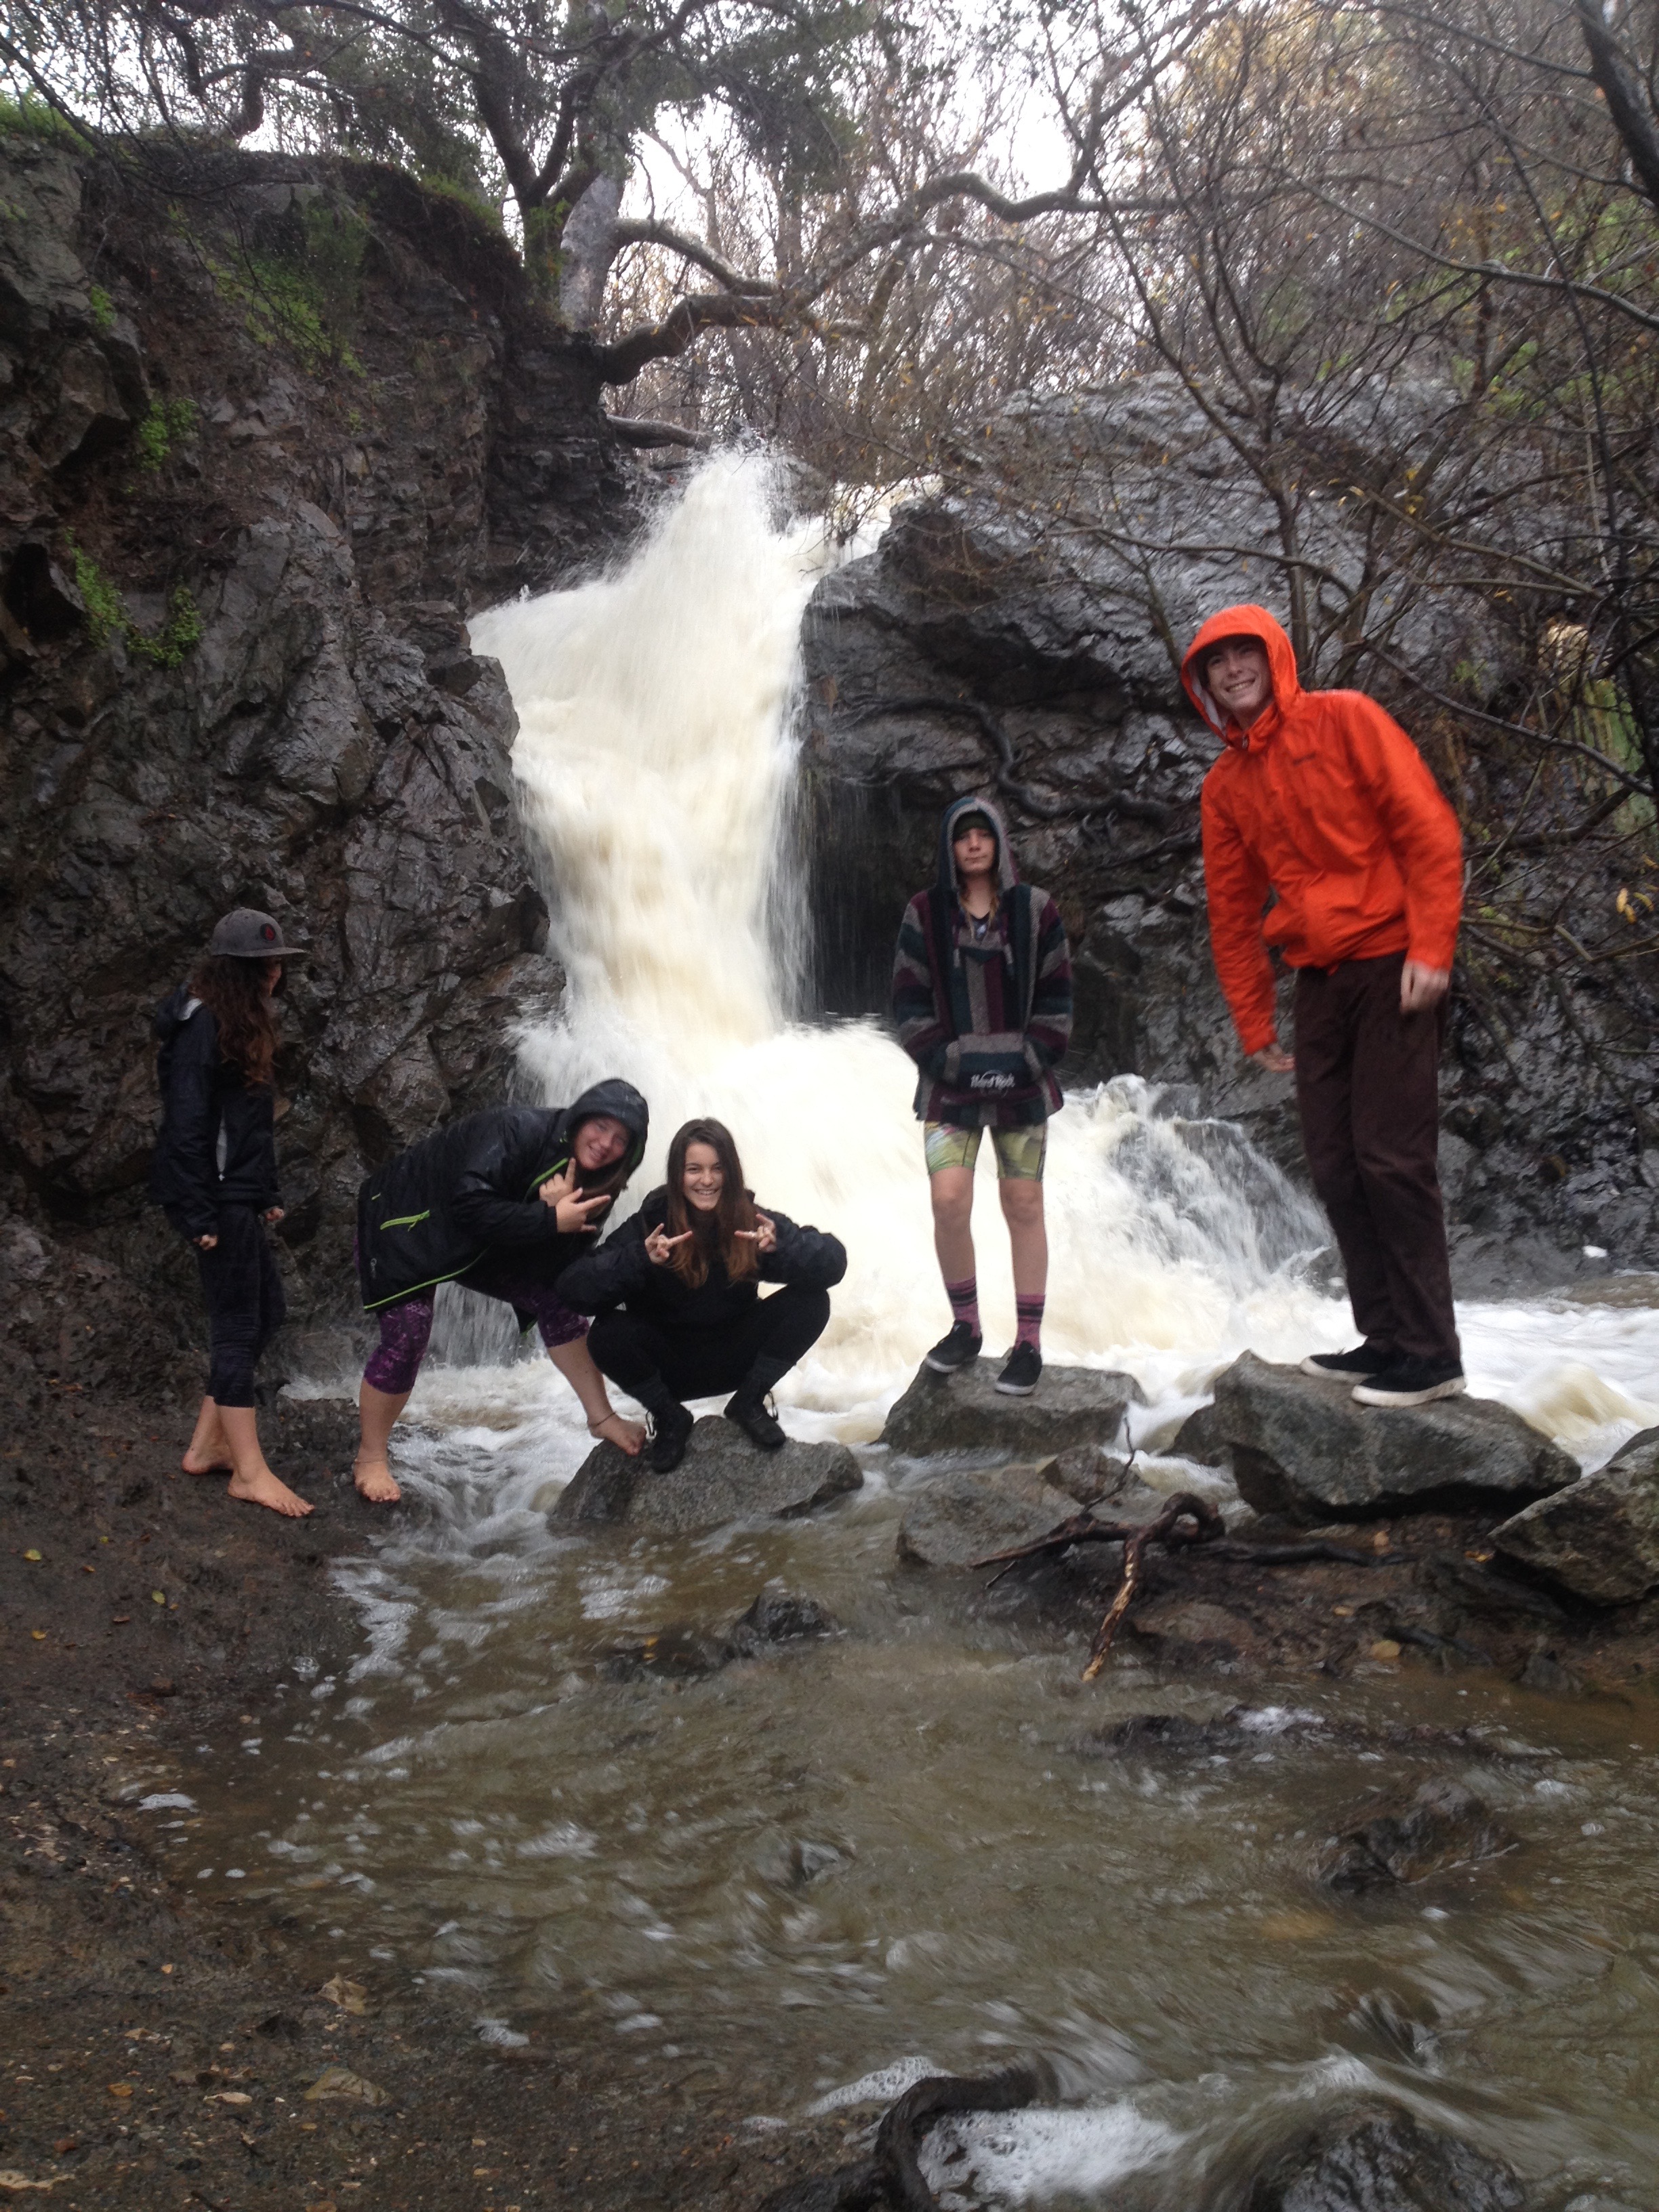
1325	802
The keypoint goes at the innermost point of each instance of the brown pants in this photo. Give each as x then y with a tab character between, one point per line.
1367	1083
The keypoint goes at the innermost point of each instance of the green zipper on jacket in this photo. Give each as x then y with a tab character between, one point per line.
409	1220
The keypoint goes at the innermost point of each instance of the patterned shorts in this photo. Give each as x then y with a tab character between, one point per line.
1019	1153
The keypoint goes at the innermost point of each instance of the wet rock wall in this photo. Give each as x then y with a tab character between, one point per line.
270	431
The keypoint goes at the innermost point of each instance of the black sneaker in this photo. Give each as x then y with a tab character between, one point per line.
1414	1382
670	1431
1022	1372
757	1421
959	1349
1358	1365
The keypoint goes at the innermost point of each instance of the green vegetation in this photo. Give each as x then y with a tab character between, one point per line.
302	291
34	119
107	617
103	307
168	422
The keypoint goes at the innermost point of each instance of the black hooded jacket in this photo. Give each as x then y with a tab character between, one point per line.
470	1188
622	1273
217	1145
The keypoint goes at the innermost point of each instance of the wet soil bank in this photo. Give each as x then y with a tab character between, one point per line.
158	2053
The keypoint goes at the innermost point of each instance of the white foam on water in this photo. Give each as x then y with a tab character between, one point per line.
880	2088
1030	2158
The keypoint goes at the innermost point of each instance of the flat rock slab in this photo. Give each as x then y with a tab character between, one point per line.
1599	1538
968	1513
723	1477
958	1518
1304	1448
965	1412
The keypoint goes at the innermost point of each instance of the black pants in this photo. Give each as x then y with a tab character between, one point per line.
1368	1085
244	1303
645	1358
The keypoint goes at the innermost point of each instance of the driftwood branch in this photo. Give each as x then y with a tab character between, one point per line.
1167	1527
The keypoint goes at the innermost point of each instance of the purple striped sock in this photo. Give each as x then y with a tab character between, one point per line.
1028	1313
964	1301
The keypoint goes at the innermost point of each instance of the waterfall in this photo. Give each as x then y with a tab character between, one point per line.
656	759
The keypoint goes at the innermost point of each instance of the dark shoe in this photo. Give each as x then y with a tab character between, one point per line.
670	1431
1359	1366
959	1349
1022	1372
1412	1383
749	1410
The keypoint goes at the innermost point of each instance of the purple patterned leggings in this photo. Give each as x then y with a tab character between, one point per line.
406	1330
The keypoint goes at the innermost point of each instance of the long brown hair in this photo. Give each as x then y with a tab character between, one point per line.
234	992
716	1231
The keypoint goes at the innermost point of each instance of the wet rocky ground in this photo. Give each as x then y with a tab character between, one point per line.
164	2052
160	2053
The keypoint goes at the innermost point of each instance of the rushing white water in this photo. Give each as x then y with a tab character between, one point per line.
656	761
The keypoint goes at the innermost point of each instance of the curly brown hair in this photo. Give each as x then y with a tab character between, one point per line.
235	993
716	1231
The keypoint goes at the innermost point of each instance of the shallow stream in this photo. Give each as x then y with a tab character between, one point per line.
808	1878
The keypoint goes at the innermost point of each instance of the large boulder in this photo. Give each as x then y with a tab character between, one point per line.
1303	1447
1443	1825
723	1477
966	1413
1378	2157
1600	1537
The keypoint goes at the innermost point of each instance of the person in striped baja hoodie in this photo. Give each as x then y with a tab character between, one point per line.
982	999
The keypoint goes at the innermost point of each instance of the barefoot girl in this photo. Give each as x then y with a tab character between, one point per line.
502	1202
676	1291
215	1178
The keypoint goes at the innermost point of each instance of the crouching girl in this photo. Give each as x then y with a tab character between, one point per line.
502	1202
677	1293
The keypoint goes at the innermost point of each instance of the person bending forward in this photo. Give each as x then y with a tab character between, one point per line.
502	1201
982	998
677	1294
1321	800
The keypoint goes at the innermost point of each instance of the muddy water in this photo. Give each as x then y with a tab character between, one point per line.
883	1854
810	1878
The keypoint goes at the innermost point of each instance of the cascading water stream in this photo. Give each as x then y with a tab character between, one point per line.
884	1855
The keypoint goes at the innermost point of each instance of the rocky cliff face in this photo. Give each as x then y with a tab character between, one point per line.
270	431
976	650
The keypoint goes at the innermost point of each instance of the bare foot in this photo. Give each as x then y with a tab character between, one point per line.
192	1465
263	1488
375	1481
628	1435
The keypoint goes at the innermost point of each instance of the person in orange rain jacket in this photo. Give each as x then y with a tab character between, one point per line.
1327	837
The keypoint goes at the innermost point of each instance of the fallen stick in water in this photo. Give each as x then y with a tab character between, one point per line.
891	2176
1165	1527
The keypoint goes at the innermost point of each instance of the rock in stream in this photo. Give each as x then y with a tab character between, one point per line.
1599	1538
723	1477
1379	2157
1443	1825
965	1413
1304	1448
